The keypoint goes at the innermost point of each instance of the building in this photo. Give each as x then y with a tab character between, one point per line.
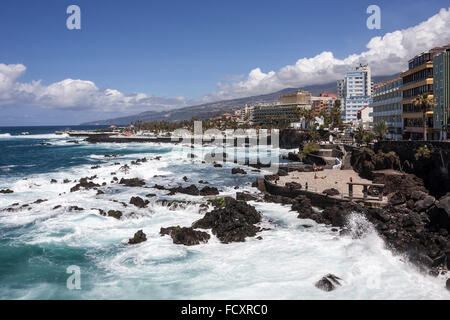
299	97
324	102
357	92
340	89
266	114
364	116
387	106
441	90
417	80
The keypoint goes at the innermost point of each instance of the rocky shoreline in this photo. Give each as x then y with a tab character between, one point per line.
414	223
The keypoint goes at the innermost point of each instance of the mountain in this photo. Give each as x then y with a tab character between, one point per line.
209	110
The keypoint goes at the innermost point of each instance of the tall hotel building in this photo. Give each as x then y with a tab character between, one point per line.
357	92
417	80
441	75
387	106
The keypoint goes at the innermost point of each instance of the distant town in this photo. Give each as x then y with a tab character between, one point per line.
412	106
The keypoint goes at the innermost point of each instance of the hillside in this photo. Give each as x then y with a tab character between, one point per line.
209	110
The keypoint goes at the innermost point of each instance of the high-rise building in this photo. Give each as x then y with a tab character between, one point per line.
441	82
387	106
357	92
417	80
340	89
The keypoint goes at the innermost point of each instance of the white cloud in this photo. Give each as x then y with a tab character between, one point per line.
74	94
386	55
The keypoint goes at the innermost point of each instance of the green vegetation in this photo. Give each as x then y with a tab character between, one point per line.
309	148
422	153
425	102
381	129
217	202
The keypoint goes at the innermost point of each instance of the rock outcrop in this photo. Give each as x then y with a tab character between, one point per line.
328	282
232	222
185	236
139	237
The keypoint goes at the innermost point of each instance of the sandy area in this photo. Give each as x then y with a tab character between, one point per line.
327	179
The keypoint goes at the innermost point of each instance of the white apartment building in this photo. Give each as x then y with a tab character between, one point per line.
357	92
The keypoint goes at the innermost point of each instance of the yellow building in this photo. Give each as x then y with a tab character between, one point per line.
417	80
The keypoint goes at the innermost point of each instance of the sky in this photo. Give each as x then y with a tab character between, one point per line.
134	56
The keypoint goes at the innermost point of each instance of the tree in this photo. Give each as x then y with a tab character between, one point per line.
381	129
360	133
425	102
336	114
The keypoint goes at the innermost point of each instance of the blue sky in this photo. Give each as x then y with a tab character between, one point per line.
180	48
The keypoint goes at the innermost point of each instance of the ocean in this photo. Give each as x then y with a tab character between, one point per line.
38	243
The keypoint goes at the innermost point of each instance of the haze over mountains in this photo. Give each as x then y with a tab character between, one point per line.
213	109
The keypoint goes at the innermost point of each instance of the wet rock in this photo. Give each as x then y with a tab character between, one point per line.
331	192
56	207
190	190
217	165
139	202
73	141
38	201
6	191
85	183
238	171
328	283
191	156
447	284
232	222
209	191
185	236
115	214
185	178
150	195
282	173
53	181
139	237
66	181
99	192
244	196
304	208
133	182
75	208
203	182
95	167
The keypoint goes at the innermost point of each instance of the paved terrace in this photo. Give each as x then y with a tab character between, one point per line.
328	179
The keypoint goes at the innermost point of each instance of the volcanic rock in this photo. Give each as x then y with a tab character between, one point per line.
328	283
185	236
231	223
139	237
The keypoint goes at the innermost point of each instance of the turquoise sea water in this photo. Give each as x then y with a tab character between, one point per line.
38	243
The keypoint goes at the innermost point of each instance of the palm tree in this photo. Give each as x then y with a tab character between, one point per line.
381	129
360	133
425	102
